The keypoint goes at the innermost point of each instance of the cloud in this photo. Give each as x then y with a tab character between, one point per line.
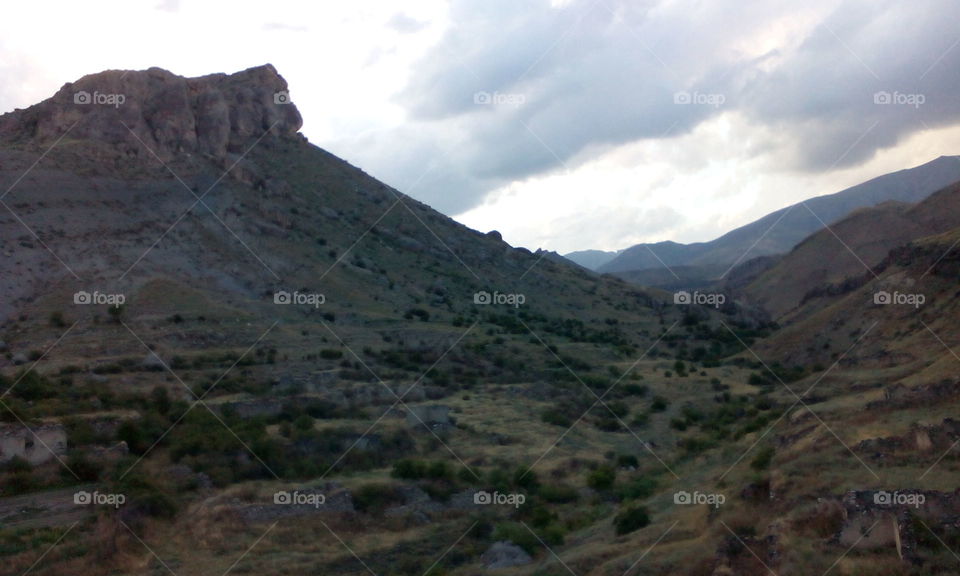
168	6
519	115
404	24
570	80
281	27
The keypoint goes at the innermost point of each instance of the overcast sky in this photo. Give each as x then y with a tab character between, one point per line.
564	124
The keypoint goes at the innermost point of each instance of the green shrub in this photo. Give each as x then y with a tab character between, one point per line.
602	478
630	520
627	461
638	488
559	493
556	417
375	498
518	534
763	458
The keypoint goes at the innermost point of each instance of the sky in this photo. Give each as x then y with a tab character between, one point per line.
563	124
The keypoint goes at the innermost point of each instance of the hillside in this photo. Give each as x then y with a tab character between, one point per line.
779	231
201	310
224	350
856	244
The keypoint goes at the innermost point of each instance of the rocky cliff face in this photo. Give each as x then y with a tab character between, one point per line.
211	115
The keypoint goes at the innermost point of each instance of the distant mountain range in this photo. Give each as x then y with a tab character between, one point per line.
671	264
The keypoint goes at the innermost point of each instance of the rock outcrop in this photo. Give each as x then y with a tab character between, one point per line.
169	114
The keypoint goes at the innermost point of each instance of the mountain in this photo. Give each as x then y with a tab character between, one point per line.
780	231
857	244
591	259
195	300
894	319
225	350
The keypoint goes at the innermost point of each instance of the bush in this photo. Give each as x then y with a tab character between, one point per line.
556	417
627	461
763	458
559	493
638	489
659	404
56	319
630	520
518	534
410	469
602	478
84	469
161	400
375	498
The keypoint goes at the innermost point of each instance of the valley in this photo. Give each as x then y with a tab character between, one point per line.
226	350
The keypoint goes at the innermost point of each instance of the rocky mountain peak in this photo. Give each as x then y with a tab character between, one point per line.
211	115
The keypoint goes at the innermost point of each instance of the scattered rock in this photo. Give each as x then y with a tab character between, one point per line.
435	416
153	362
504	554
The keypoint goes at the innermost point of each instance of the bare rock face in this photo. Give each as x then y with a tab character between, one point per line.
131	111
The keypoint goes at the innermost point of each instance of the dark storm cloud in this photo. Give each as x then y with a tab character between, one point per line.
519	89
831	94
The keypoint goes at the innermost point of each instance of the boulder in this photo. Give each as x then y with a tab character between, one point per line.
504	554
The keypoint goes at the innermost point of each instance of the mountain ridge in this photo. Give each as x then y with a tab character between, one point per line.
779	231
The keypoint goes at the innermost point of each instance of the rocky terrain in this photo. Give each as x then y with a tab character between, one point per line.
250	356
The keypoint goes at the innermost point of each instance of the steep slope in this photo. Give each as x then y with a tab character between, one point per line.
855	244
779	231
904	335
207	312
